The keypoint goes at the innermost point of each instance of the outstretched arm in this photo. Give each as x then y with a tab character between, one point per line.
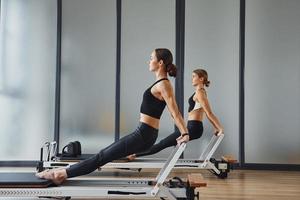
167	93
201	97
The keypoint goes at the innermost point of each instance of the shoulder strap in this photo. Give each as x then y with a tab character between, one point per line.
158	81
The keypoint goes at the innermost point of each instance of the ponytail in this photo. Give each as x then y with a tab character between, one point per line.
171	69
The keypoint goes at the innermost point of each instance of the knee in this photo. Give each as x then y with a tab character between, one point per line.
162	143
98	158
195	136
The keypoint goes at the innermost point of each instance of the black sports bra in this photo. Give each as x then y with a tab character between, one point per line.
151	105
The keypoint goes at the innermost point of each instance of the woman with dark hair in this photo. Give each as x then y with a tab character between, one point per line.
198	108
155	98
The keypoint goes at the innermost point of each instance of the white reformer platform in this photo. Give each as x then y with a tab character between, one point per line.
205	161
111	188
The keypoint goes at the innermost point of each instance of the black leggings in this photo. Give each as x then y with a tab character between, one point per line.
140	140
195	129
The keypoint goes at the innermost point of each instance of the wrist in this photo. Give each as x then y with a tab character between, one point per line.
184	134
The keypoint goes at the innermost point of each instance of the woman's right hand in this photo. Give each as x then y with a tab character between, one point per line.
182	139
219	132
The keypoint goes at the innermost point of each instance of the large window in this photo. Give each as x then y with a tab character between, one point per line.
88	73
27	77
28	55
272	75
212	43
146	25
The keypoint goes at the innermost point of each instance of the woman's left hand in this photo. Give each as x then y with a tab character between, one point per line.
182	139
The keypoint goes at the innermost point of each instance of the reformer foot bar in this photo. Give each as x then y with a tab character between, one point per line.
27	185
220	168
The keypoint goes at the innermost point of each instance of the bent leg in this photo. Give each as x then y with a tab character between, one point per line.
164	143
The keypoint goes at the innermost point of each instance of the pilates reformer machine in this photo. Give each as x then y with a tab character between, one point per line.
27	185
219	167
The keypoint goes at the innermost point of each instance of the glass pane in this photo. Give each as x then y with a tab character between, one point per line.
88	73
146	25
272	79
212	43
27	77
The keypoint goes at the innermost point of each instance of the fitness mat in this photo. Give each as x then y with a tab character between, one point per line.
22	180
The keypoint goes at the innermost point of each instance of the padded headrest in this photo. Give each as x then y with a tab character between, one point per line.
73	149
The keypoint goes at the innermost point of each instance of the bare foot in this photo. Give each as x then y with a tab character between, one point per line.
131	157
56	175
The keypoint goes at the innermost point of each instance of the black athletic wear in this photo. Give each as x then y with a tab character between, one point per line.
151	105
140	140
195	131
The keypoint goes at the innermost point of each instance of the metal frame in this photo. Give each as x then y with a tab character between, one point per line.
87	189
58	73
118	69
203	162
179	47
242	163
242	84
110	188
179	55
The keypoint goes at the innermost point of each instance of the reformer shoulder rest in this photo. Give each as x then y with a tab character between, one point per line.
196	180
229	158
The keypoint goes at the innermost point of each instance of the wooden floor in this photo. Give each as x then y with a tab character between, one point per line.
258	185
240	184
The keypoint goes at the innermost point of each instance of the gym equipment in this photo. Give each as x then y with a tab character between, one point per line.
106	188
219	167
19	180
73	149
